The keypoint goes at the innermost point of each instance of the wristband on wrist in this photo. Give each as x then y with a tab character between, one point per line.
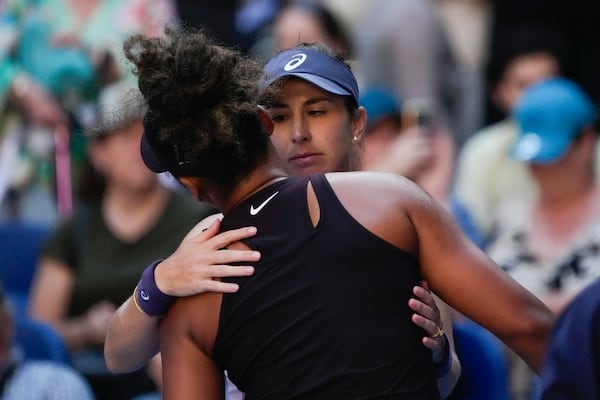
148	298
445	363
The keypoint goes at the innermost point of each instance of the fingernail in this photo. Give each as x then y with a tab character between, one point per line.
252	229
256	254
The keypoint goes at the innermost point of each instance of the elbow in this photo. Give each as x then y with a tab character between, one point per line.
113	362
530	335
118	365
118	360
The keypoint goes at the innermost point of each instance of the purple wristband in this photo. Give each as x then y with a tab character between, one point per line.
149	297
445	364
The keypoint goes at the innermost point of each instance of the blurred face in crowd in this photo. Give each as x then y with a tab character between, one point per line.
313	129
294	26
521	73
297	24
117	157
578	159
378	139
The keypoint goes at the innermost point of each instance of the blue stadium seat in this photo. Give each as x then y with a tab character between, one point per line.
484	364
39	341
19	248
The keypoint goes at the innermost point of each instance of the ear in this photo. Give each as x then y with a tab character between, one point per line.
192	184
266	120
359	124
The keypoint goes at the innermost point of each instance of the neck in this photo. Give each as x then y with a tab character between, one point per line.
130	200
129	214
261	177
569	191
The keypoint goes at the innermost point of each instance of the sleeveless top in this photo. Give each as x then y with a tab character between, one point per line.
325	316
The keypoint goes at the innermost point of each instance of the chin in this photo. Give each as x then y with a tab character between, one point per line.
300	172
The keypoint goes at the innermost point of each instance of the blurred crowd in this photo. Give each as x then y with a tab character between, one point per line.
489	105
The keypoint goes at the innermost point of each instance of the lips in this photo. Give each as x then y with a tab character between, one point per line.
304	159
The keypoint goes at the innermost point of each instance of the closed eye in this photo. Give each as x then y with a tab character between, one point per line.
316	113
278	118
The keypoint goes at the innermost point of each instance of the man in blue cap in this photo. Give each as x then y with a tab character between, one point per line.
549	241
550	116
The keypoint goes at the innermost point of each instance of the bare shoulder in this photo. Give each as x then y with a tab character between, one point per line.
372	186
197	316
382	202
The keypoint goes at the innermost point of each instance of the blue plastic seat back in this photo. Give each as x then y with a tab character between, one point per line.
39	341
484	364
20	244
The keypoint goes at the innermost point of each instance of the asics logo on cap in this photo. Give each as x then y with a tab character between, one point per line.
295	62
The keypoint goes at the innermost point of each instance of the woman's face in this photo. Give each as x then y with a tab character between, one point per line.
521	73
117	157
313	130
295	25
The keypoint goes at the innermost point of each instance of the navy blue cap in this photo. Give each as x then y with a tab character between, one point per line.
150	157
157	162
314	66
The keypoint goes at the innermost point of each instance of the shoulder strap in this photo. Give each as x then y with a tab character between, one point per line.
326	197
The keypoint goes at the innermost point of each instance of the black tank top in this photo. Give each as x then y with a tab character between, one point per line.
325	316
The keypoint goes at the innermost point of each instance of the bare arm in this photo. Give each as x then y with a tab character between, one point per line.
456	269
465	277
132	337
188	371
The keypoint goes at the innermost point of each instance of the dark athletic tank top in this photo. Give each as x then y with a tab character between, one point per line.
325	316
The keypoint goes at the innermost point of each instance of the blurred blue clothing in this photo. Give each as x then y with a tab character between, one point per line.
572	366
45	380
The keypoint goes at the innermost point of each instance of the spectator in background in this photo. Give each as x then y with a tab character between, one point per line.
92	261
486	174
571	370
404	141
302	22
403	45
54	55
576	22
549	240
34	380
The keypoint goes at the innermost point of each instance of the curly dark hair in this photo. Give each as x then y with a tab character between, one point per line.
202	103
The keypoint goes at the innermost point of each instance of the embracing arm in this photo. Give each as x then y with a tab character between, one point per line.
469	281
132	336
188	370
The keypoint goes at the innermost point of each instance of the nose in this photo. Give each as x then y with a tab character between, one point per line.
300	131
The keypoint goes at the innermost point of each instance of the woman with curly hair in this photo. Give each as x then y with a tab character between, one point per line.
295	329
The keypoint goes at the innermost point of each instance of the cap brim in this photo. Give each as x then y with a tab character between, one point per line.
323	83
530	147
149	156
